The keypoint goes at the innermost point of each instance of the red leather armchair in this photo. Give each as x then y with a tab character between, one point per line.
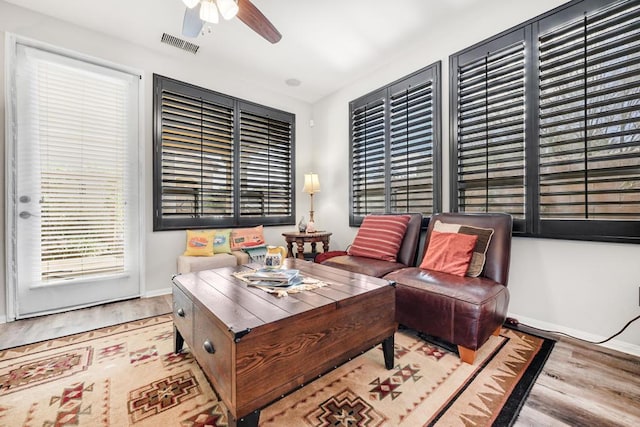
378	268
464	311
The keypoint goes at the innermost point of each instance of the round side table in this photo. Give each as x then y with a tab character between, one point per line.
301	238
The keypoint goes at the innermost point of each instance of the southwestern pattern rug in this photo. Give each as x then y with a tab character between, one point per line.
128	375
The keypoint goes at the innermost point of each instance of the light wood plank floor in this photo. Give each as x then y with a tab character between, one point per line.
580	385
584	385
27	331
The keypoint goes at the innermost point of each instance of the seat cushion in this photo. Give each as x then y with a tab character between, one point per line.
357	264
322	257
462	310
189	264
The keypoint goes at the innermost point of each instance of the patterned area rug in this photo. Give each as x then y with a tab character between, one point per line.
128	375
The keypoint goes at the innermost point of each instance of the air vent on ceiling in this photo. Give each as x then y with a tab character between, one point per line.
179	43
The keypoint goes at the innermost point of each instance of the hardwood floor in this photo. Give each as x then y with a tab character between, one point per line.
584	385
42	328
580	385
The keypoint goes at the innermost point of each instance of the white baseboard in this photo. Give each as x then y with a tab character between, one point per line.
614	344
3	319
156	293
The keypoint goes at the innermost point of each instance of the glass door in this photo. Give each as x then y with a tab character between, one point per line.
74	214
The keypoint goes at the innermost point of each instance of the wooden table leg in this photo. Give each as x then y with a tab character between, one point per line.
178	340
325	246
387	350
289	249
300	244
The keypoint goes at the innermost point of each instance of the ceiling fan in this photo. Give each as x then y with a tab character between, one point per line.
200	11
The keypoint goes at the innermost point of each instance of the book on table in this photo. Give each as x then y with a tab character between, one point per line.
275	277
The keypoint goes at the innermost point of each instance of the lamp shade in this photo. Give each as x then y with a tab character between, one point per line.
311	183
209	11
228	8
190	3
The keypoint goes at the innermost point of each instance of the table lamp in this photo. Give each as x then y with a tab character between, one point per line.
311	186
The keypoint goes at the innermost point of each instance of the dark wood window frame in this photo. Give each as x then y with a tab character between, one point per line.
219	161
555	195
395	149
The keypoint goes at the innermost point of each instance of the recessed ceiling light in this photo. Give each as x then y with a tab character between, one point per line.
293	82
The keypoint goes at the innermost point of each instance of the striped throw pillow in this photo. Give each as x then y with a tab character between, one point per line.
380	237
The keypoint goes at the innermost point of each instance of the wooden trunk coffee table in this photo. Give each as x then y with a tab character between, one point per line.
255	347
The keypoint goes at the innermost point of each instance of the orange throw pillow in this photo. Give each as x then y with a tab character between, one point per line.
449	252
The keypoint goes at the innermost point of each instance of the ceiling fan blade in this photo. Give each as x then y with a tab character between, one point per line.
254	19
192	24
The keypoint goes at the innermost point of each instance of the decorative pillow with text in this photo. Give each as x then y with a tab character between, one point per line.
200	242
222	242
247	237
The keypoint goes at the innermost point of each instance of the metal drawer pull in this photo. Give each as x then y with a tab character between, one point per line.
208	347
181	312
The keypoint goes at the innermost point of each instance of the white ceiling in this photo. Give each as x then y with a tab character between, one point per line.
326	44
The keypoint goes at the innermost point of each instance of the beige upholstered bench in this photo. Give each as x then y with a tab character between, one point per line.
189	264
207	249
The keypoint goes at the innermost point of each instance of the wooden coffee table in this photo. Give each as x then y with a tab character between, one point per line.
255	347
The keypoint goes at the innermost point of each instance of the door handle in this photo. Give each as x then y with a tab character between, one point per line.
181	312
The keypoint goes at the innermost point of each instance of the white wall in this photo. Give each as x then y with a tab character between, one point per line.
161	248
584	288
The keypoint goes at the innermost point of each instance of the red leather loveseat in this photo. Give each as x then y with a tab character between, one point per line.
405	257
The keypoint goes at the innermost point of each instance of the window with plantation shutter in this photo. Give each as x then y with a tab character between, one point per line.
368	126
411	137
395	147
490	126
266	162
219	161
563	143
196	155
589	153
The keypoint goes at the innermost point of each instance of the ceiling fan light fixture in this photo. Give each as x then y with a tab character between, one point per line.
209	11
228	8
190	3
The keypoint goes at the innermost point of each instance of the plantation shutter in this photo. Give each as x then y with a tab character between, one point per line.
394	147
411	133
491	129
76	135
266	163
219	161
589	152
197	157
368	126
